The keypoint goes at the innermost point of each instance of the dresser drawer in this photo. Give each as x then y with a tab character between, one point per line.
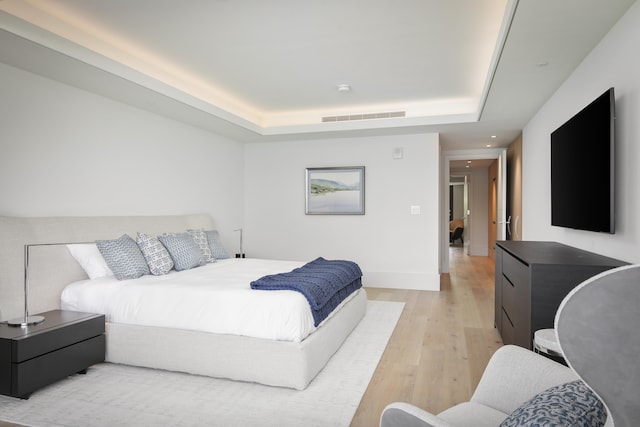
509	299
516	271
508	330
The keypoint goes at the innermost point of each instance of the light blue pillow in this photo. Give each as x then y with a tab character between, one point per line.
217	249
184	251
156	255
124	258
571	404
200	237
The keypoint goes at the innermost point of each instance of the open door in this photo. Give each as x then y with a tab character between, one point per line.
466	212
498	221
502	221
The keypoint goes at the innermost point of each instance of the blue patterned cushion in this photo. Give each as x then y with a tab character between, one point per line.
155	254
184	251
217	249
567	405
124	258
200	237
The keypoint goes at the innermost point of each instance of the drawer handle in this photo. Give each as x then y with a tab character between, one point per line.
510	282
507	314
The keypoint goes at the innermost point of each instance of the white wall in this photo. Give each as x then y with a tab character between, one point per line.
394	248
64	151
614	62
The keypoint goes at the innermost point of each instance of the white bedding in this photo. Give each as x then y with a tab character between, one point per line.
219	300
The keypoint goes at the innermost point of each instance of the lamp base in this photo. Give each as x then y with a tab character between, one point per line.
26	321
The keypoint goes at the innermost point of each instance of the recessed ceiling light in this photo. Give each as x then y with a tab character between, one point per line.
493	137
488	145
343	88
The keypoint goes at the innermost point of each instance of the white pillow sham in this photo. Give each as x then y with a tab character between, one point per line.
90	259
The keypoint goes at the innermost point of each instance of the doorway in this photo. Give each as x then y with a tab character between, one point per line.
474	166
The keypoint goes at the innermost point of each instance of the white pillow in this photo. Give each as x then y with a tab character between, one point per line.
90	259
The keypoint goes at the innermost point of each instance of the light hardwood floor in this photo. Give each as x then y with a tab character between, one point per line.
441	344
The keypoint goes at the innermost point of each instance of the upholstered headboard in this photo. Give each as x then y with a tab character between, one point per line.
51	268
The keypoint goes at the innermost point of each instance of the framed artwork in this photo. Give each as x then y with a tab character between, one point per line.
335	191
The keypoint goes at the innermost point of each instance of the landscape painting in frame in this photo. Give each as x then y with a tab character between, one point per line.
335	191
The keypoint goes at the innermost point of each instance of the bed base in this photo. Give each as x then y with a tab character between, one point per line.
270	362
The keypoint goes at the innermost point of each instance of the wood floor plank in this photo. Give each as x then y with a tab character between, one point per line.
427	394
441	345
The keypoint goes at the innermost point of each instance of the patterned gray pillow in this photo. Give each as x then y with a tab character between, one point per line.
217	249
570	404
200	237
124	258
157	257
184	251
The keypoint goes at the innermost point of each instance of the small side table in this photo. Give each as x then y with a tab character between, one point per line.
66	343
545	342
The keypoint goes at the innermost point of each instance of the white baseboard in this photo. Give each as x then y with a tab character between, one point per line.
401	280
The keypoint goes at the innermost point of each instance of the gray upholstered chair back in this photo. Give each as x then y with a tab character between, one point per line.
598	327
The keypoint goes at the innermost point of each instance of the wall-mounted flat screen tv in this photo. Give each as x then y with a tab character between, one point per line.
582	168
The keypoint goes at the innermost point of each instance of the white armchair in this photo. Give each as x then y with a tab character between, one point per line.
597	329
512	376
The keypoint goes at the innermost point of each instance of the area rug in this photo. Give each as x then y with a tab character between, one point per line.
117	395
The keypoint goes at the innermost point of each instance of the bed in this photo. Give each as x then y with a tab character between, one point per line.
287	361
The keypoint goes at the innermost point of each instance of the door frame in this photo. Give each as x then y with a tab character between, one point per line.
446	158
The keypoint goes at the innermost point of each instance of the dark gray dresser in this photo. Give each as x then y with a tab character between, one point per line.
532	279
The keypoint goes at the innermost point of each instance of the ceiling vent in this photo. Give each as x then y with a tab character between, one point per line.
365	116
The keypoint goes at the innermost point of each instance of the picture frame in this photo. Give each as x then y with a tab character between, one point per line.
335	191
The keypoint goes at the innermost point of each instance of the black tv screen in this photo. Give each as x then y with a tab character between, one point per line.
582	168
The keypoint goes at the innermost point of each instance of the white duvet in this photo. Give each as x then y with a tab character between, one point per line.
213	298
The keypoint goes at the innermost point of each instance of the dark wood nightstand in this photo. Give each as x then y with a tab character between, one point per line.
67	342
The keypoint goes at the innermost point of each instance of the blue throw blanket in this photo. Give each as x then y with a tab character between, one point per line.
324	283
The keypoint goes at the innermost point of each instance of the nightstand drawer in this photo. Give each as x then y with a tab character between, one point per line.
47	336
39	371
